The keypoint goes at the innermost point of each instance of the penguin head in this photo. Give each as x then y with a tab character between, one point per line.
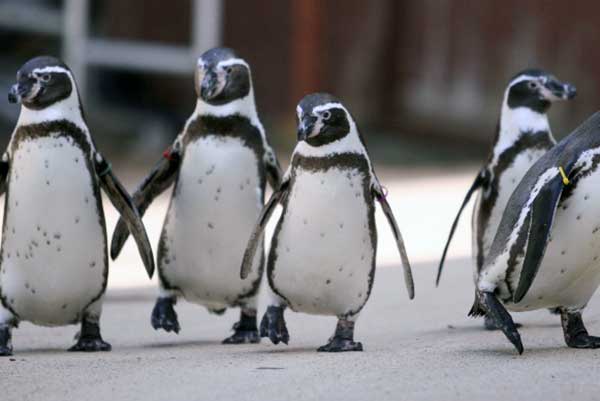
221	77
322	119
537	90
42	82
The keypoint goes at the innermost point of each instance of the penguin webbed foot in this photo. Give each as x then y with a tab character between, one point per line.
576	335
343	339
89	339
164	315
337	344
273	325
502	319
245	331
6	348
90	345
489	324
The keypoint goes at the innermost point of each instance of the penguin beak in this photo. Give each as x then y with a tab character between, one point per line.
306	128
555	90
210	87
15	95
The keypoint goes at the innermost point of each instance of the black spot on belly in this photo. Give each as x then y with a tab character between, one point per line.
211	226
578	217
328	281
57	235
562	271
586	197
341	268
563	252
64	306
360	294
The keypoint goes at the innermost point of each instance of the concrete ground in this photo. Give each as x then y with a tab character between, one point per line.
426	349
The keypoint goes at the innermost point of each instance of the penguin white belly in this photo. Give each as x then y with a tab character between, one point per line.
570	271
212	213
507	183
324	252
54	245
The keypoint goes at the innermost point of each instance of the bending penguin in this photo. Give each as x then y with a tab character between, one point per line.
523	136
322	256
219	165
53	261
546	251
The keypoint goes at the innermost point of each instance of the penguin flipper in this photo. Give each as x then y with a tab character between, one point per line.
259	229
496	311
4	167
274	174
480	181
129	213
542	214
387	210
160	178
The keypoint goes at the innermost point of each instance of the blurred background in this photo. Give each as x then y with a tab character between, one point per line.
424	79
424	76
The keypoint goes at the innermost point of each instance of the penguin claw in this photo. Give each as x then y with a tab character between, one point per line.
6	350
502	319
584	341
273	325
243	337
164	316
337	344
90	345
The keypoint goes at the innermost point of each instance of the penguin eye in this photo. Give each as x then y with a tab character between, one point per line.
326	115
228	70
532	85
45	77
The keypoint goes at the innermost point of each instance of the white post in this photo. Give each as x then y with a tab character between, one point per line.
207	25
75	32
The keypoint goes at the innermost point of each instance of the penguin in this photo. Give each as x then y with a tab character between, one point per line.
322	256
547	248
53	257
523	135
219	165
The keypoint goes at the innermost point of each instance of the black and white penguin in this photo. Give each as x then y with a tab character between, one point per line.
547	248
523	136
53	261
219	164
322	257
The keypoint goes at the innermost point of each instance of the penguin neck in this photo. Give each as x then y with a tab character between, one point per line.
245	107
66	109
517	122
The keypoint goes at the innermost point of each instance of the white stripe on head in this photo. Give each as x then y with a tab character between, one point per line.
50	69
526	77
233	61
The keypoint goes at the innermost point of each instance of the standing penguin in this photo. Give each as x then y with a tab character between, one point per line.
53	261
547	248
523	136
219	164
322	257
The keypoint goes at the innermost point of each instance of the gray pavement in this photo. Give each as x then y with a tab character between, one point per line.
426	349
